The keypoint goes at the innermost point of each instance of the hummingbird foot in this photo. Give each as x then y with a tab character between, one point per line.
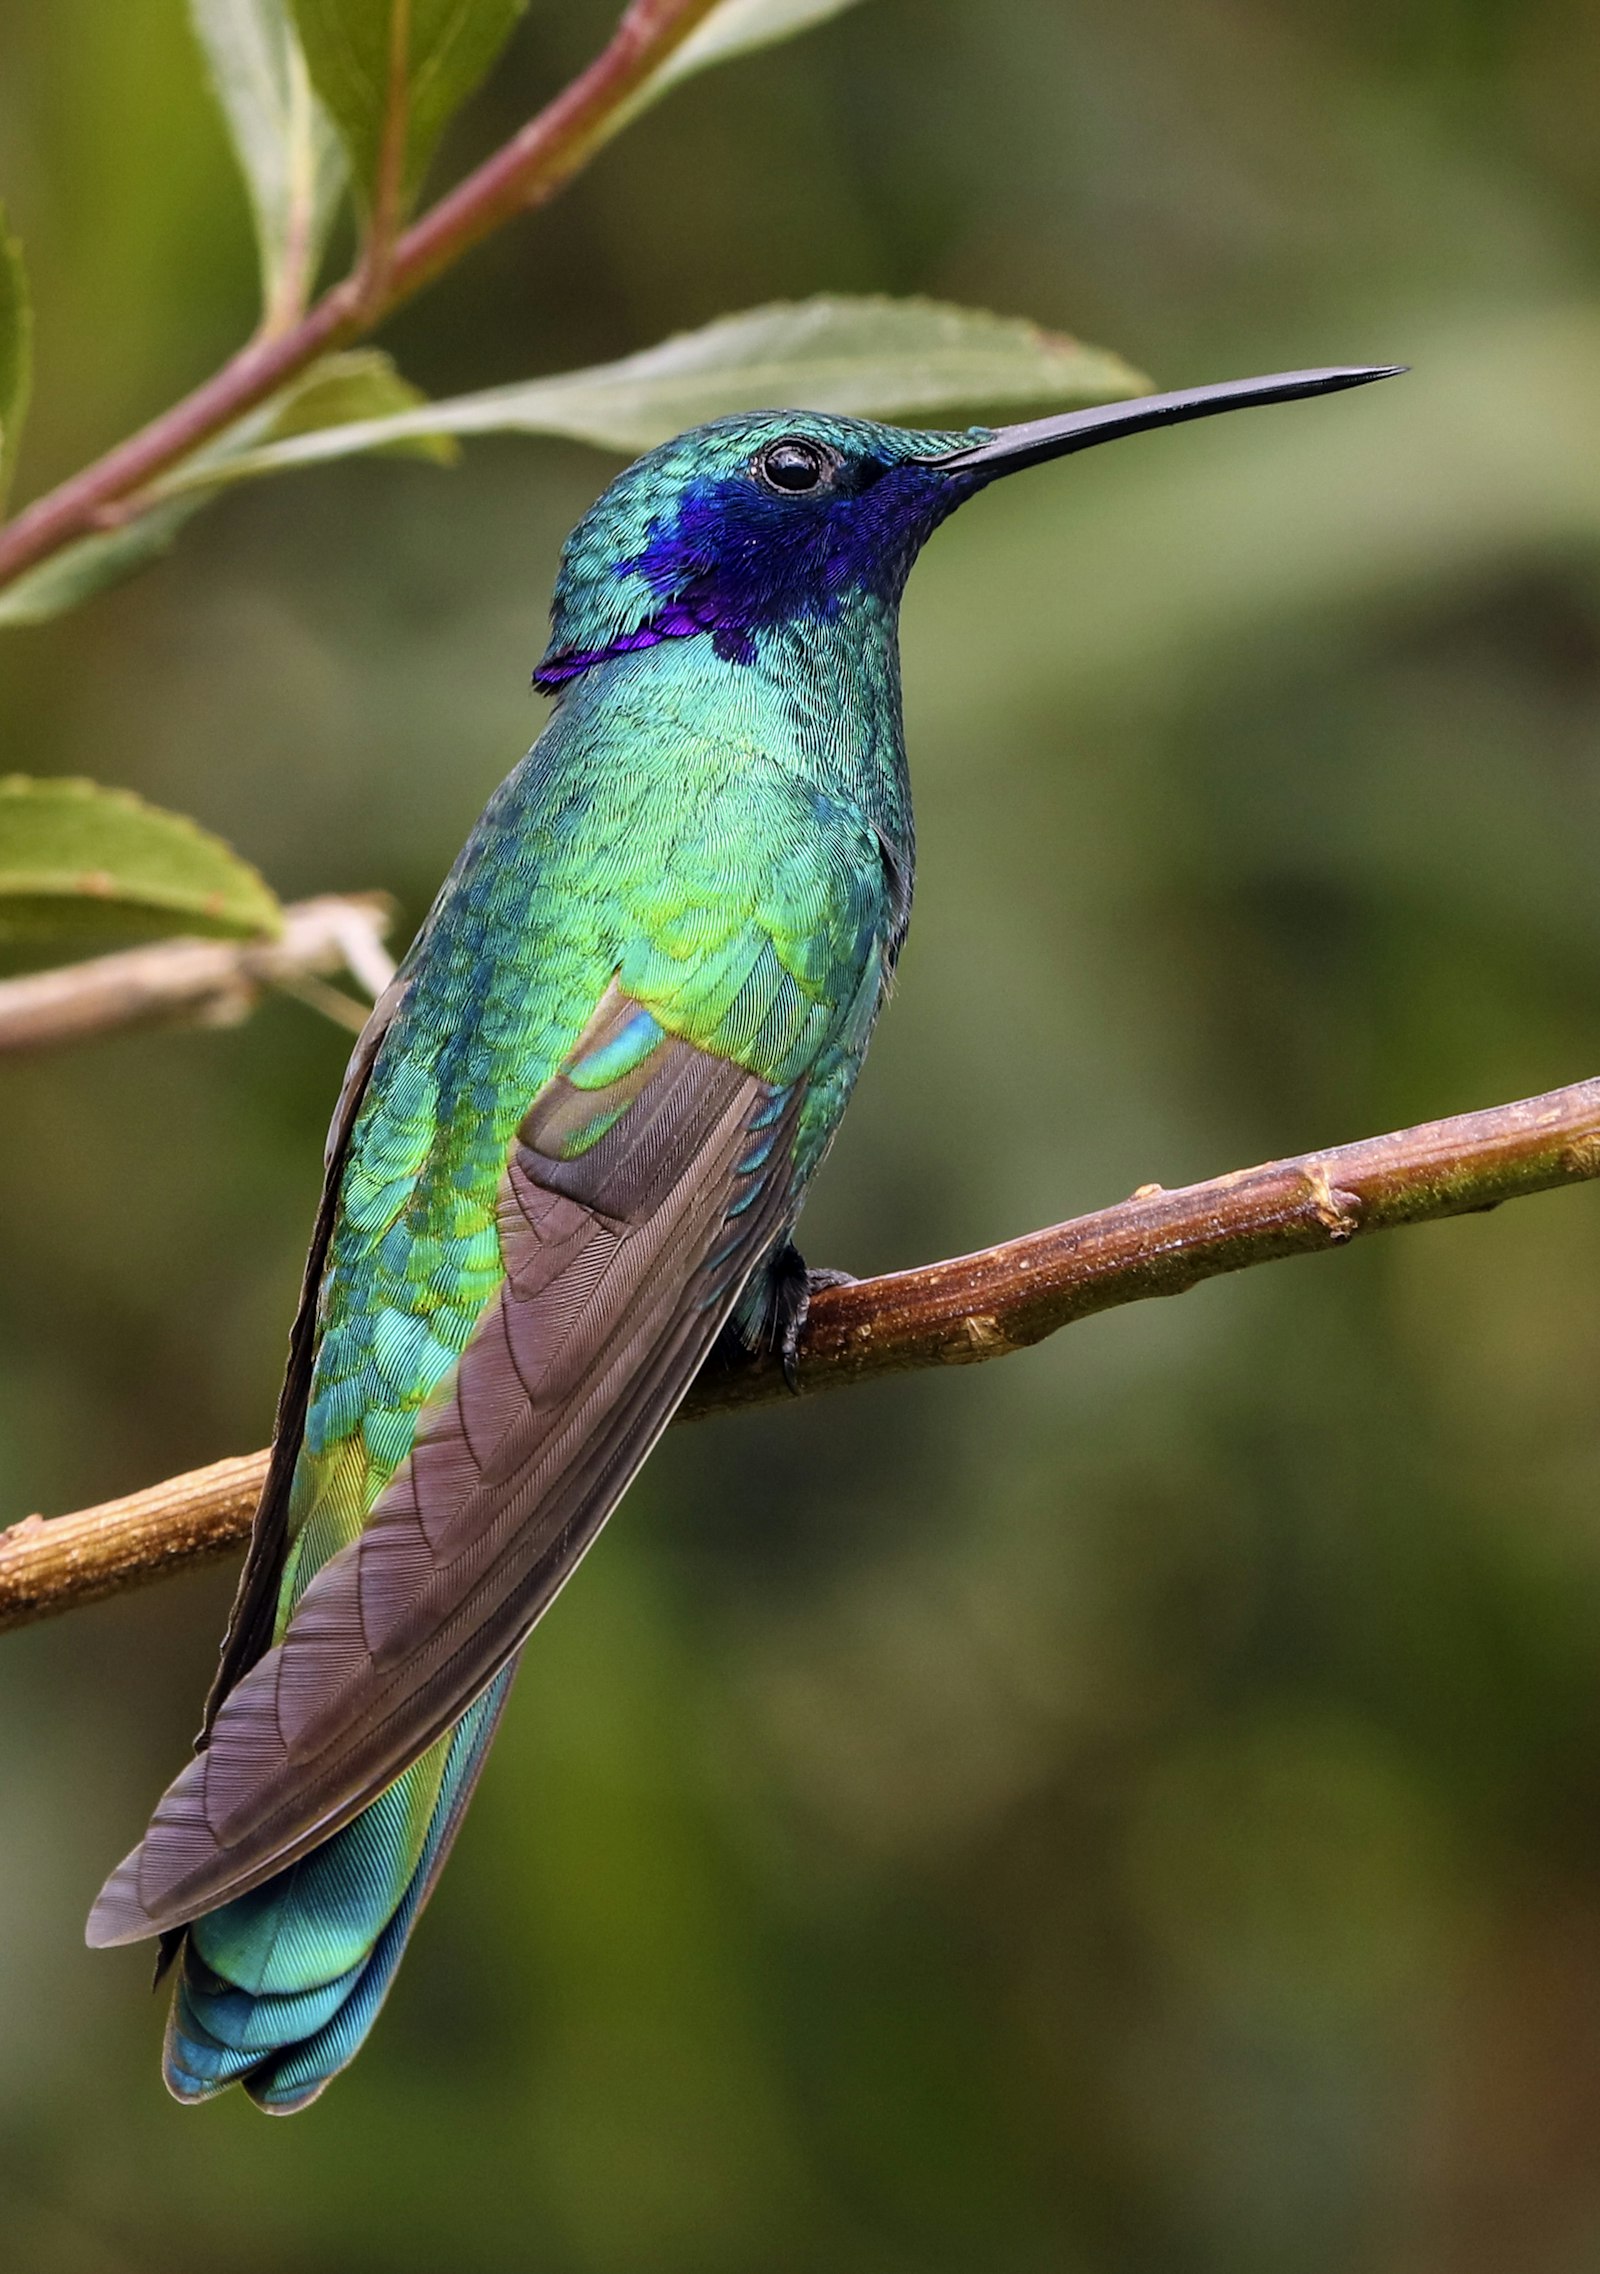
772	1315
798	1288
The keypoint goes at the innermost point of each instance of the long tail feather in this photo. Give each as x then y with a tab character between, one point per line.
279	1989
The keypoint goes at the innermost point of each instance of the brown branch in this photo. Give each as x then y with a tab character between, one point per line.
526	171
53	1566
946	1314
214	981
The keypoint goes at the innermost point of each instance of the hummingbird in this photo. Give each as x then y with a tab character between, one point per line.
567	1160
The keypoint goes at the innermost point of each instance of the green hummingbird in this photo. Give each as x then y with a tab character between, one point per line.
568	1156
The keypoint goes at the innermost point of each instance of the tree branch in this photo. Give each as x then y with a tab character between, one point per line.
214	981
946	1314
526	171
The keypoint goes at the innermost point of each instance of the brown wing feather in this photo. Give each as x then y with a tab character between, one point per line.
622	1265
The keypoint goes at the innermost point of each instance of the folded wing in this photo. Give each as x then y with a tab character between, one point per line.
644	1184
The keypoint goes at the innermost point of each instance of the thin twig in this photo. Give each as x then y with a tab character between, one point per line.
214	981
945	1314
537	162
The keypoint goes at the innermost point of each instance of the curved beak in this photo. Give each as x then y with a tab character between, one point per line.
1012	447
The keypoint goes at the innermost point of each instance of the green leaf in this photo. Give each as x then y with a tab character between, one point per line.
443	49
872	357
360	384
288	152
736	28
99	867
79	571
16	352
868	357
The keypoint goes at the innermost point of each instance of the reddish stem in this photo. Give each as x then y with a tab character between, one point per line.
526	171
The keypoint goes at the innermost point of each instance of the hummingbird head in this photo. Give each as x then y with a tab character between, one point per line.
780	516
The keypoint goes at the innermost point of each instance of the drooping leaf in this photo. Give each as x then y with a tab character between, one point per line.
80	570
91	564
94	867
359	384
16	352
430	54
867	357
737	27
288	152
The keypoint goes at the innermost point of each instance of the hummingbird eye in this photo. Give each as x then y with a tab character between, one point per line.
794	465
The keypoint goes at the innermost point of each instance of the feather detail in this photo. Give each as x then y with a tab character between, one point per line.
621	1264
251	1620
285	2046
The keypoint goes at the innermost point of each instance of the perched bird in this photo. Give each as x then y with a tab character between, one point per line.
569	1154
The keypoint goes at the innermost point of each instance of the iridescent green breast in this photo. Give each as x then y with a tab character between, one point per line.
744	905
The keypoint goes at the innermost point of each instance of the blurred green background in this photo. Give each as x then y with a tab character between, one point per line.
1132	1808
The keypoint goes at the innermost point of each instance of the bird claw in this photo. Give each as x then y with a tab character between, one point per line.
794	1285
772	1317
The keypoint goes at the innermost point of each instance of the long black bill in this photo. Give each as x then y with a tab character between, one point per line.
1013	447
